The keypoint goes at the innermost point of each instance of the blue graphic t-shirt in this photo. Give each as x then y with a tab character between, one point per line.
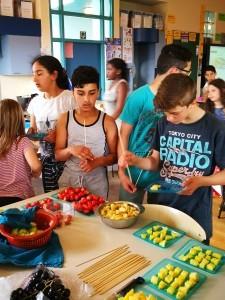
139	112
190	150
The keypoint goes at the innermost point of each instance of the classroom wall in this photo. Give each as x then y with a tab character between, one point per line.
186	13
12	86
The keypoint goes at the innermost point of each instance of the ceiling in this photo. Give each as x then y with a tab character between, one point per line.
147	2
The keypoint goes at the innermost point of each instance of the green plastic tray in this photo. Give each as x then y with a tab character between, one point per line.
154	271
192	243
170	229
165	187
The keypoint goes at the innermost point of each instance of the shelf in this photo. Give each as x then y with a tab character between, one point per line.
19	26
146	35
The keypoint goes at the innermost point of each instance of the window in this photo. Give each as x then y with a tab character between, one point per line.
73	26
89	20
209	24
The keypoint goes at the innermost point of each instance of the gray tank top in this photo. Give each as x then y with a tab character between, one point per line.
95	138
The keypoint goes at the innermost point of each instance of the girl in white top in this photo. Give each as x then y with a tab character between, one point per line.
51	79
115	96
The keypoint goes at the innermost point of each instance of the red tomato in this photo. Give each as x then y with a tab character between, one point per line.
68	219
56	206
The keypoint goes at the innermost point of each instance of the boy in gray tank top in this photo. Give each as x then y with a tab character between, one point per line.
86	138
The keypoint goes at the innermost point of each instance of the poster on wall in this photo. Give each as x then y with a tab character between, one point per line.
169	37
127	45
184	36
113	48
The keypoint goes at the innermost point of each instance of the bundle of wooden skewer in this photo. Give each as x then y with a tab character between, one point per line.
113	269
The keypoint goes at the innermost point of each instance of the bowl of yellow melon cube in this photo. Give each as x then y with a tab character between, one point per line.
119	214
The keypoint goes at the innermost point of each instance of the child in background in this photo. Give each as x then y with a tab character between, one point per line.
209	74
115	96
51	79
18	159
216	98
216	105
188	144
86	138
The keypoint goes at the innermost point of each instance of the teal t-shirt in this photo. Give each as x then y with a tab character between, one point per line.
139	112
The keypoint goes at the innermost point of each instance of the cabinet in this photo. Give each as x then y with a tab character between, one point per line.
20	42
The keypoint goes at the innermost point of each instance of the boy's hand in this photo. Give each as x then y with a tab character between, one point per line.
51	136
126	183
191	184
87	165
127	159
81	152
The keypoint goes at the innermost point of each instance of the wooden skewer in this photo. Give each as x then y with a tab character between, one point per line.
105	260
108	276
149	153
119	278
108	281
85	136
110	269
102	267
123	151
100	256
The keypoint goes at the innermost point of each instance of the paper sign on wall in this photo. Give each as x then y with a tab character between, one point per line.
176	34
184	36
68	49
169	37
192	37
171	19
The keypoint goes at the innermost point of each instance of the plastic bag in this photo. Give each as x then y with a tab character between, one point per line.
78	290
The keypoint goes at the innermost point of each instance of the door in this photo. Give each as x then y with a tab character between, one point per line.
88	54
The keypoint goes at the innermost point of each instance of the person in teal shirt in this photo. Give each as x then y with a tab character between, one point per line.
139	120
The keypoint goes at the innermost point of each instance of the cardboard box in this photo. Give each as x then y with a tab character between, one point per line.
27	9
6	8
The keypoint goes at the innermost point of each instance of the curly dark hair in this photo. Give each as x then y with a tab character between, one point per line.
219	84
84	75
119	64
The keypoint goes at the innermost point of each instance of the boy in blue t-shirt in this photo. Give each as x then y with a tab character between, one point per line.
188	144
139	121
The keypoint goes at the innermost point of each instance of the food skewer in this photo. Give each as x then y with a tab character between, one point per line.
149	154
123	151
85	136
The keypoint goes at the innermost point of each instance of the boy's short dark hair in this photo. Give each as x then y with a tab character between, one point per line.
210	68
175	90
84	75
173	55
